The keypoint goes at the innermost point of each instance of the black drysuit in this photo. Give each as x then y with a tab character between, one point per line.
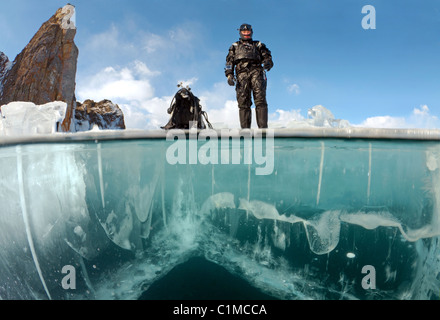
245	58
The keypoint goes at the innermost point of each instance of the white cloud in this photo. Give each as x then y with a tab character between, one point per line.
153	42
420	118
423	111
134	118
120	43
284	119
105	40
217	95
130	83
156	111
294	88
287	116
129	87
107	47
383	122
220	105
176	44
141	69
148	114
188	82
226	116
180	40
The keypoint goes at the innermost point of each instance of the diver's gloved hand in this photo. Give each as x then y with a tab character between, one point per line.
267	65
231	81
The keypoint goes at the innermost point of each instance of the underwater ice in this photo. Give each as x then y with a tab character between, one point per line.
122	217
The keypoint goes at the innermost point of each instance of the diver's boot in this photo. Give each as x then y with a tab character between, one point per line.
261	117
245	117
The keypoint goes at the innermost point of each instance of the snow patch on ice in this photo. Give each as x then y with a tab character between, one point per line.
317	116
26	118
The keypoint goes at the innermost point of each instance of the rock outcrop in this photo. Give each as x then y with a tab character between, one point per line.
104	114
5	65
45	70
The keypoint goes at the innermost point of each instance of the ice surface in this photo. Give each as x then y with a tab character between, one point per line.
26	118
118	212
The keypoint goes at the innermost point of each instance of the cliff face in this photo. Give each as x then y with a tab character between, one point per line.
45	71
5	65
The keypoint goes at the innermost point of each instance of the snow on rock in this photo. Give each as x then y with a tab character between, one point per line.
104	115
26	118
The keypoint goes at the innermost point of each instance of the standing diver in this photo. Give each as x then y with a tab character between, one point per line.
249	60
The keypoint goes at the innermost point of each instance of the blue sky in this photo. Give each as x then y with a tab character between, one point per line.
135	53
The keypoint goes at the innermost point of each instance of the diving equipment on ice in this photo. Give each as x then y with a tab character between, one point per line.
186	111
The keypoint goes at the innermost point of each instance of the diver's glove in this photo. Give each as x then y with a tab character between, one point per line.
268	65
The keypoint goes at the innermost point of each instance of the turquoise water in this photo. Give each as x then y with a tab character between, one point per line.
305	218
